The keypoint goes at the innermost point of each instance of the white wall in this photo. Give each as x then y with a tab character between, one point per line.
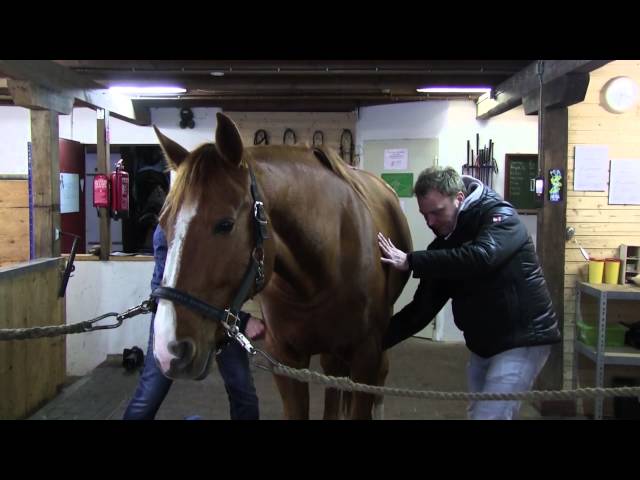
15	132
81	127
101	287
452	123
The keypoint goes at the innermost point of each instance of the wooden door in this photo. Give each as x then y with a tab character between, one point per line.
72	194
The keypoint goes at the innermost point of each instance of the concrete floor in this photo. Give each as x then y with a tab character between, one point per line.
417	364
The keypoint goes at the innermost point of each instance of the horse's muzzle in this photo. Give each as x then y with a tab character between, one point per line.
184	351
186	364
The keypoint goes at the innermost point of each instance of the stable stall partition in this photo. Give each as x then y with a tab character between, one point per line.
31	371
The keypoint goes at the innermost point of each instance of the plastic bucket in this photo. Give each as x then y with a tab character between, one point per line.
596	270
611	270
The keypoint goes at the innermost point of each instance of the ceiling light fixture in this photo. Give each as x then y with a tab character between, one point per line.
143	91
216	74
454	90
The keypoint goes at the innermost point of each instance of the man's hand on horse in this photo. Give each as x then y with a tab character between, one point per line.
392	255
255	328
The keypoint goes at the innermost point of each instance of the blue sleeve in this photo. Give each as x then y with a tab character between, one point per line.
159	256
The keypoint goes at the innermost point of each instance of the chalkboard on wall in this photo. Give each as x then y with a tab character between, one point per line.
519	190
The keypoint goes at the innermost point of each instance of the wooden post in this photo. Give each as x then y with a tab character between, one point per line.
551	249
46	183
104	166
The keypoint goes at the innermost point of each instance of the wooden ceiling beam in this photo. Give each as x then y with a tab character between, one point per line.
52	86
310	67
561	92
509	94
299	83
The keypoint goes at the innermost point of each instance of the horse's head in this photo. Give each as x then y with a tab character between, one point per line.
212	235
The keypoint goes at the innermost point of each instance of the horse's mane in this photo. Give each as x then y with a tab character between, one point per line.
333	162
193	175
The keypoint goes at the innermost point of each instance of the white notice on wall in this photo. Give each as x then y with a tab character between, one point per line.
69	193
591	167
624	186
396	159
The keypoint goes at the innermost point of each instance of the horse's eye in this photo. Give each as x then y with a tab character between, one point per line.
223	226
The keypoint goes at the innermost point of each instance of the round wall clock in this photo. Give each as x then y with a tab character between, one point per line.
619	94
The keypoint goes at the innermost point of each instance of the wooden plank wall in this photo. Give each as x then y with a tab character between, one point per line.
304	124
14	228
31	371
600	227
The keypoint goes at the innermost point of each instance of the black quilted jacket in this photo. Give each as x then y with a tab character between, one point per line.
489	268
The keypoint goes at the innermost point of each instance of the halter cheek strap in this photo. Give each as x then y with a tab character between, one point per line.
255	273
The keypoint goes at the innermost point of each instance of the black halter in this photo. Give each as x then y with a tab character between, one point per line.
255	272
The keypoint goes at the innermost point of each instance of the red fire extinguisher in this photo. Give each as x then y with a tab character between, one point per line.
101	191
120	192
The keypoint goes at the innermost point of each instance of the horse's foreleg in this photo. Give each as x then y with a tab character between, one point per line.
335	367
294	394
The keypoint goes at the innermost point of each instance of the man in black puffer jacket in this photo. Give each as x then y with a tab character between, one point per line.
484	260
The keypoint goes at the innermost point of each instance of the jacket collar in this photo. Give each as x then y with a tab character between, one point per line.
475	189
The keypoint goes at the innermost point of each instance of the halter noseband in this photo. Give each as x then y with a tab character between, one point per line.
255	272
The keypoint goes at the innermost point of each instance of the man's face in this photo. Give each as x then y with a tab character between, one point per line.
440	211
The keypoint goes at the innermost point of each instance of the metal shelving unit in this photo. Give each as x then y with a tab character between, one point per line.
602	355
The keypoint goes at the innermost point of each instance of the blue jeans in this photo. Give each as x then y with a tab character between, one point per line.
511	371
233	364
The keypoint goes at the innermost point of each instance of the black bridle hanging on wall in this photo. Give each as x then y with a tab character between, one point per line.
318	138
346	146
289	137
260	137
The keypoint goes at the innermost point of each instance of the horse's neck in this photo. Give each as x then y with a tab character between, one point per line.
293	203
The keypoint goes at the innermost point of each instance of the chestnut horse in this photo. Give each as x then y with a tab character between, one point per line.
296	225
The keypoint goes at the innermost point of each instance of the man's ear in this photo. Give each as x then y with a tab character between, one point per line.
460	196
175	153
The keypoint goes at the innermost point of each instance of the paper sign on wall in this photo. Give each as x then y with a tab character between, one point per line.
396	159
624	187
69	193
591	168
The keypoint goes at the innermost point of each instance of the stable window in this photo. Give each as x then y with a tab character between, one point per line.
148	187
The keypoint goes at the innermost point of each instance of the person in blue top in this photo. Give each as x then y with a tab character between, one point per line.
233	362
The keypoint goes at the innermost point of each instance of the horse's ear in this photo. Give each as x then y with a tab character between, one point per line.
175	153
228	139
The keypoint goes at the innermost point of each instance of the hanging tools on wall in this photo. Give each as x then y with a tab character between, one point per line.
481	164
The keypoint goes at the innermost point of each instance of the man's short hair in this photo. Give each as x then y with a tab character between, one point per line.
442	179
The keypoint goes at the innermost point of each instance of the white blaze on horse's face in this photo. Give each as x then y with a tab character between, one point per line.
165	319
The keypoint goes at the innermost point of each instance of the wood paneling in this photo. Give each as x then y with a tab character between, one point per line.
14	228
31	371
600	227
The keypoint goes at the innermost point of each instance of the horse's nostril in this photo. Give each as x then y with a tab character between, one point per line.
184	350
